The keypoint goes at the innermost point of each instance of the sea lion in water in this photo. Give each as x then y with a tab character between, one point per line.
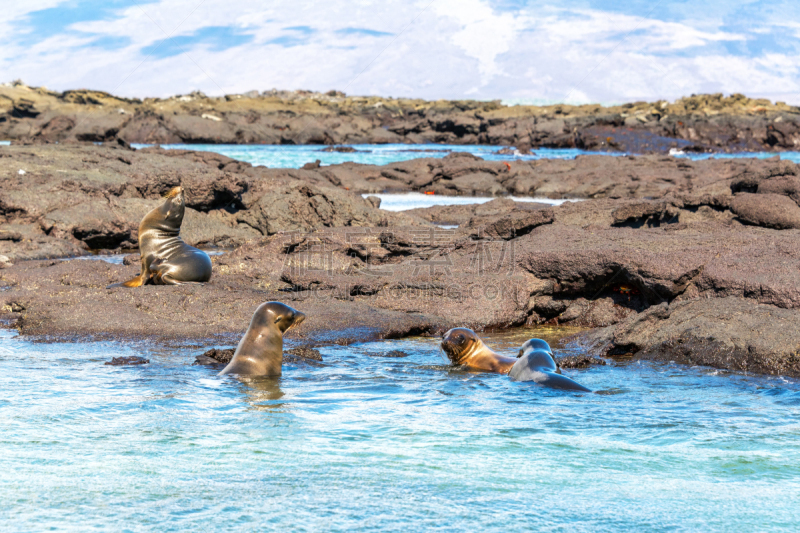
537	364
464	347
260	352
166	259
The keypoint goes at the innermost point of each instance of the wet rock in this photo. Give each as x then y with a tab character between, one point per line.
127	361
579	361
304	352
221	357
215	356
732	333
341	149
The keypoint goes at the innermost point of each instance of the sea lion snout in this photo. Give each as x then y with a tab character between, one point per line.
175	192
279	314
298	318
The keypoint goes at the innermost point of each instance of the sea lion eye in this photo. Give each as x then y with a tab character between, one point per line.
459	338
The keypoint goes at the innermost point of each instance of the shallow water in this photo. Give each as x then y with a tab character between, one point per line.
387	443
295	156
413	200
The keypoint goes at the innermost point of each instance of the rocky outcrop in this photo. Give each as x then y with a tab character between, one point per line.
696	263
697	123
731	333
58	201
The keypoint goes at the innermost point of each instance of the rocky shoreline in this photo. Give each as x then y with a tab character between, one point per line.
665	259
702	123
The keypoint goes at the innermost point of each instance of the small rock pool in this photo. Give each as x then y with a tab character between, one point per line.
370	440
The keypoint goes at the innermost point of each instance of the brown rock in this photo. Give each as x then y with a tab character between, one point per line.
767	210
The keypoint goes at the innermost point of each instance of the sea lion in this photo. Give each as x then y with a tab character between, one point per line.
537	365
166	259
538	344
260	352
464	347
534	344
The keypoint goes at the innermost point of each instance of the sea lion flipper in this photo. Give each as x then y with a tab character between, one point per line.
558	381
534	366
138	281
166	279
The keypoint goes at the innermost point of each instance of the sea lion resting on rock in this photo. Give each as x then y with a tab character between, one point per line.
260	352
166	259
464	347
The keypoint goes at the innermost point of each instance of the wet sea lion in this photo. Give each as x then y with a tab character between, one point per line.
166	259
537	364
464	347
260	352
534	344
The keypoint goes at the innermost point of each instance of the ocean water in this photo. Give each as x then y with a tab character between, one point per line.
413	200
369	442
295	156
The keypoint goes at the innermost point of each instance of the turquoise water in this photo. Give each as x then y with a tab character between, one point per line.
295	156
379	443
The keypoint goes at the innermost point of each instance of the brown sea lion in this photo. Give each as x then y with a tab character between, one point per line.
260	352
166	259
464	347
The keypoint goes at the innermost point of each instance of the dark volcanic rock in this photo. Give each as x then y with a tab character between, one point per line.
579	361
221	357
672	259
731	333
476	214
699	123
215	356
304	352
74	198
304	207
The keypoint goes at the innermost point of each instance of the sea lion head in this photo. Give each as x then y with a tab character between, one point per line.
174	207
534	344
278	314
460	343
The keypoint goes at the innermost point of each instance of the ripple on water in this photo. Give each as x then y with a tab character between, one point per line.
397	444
